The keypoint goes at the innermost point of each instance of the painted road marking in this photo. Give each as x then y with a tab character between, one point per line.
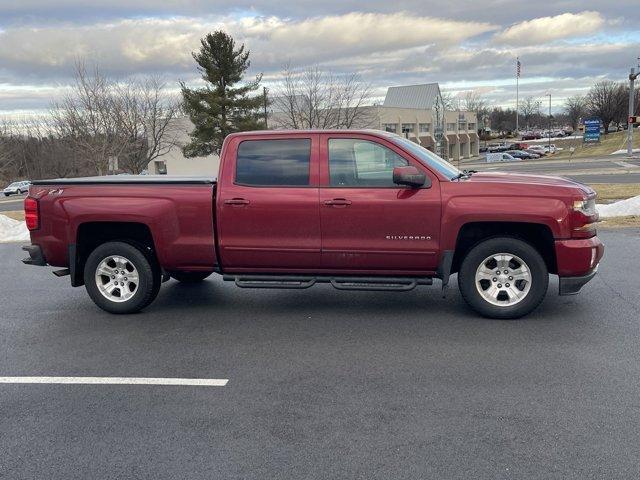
626	165
19	200
195	382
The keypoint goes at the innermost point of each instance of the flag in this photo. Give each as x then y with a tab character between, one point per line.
518	67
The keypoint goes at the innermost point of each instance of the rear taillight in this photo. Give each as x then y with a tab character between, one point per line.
31	213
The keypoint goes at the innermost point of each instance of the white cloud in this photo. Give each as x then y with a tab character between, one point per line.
135	44
37	56
314	39
546	29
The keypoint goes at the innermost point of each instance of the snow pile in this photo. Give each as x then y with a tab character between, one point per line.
630	206
13	230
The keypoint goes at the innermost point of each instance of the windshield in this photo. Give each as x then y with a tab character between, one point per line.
14	185
427	157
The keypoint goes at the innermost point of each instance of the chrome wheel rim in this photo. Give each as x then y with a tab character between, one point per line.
503	279
117	278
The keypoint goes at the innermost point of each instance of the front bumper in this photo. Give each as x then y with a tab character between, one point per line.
577	262
36	257
572	285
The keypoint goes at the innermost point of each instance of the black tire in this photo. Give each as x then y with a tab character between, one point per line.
149	278
475	257
189	277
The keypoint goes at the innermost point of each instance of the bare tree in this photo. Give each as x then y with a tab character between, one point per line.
145	117
86	117
575	108
529	109
603	101
104	120
7	158
448	102
313	98
475	102
34	152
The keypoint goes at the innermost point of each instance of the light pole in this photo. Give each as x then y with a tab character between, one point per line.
632	77
549	131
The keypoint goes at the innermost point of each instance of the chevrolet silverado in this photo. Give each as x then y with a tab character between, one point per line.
360	210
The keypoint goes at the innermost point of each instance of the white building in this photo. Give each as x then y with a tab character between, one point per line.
175	163
417	112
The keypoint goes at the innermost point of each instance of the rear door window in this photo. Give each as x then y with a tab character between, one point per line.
283	163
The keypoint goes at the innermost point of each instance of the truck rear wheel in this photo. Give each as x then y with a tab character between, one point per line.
189	277
120	278
503	278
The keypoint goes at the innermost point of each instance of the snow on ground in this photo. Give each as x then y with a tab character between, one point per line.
630	206
622	152
13	230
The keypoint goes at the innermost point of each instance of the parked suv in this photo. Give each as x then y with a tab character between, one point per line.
17	188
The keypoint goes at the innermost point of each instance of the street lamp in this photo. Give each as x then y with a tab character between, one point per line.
632	77
549	131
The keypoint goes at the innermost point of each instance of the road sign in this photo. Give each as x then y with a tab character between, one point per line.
591	130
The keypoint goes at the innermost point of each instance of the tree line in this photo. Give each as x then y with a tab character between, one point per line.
606	100
96	122
101	121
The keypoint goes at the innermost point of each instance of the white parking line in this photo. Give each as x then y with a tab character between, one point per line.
196	382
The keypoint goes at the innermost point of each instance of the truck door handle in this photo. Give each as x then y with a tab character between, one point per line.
236	201
337	202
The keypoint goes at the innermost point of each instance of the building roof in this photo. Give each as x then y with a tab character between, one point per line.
412	96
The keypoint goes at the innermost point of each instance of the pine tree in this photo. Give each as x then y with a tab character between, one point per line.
223	105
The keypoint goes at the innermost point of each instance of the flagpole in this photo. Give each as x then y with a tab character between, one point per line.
517	89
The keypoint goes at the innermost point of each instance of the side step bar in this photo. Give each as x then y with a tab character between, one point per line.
401	284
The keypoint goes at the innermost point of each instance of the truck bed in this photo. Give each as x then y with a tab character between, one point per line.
175	214
128	180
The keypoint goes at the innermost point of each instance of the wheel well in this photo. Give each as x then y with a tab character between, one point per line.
536	234
92	234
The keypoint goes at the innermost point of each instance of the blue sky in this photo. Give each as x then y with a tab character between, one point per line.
565	46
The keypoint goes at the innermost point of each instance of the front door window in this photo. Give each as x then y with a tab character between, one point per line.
360	163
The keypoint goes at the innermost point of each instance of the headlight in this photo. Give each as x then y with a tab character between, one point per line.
586	206
584	218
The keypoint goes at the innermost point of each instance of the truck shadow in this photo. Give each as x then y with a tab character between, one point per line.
226	301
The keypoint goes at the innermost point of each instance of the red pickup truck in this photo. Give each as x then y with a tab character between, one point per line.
361	210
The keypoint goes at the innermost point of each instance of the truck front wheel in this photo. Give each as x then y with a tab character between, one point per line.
503	278
120	278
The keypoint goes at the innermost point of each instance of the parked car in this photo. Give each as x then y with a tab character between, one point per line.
531	136
17	188
501	157
551	148
534	154
360	210
521	154
539	149
497	147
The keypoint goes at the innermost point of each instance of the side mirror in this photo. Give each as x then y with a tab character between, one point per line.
410	176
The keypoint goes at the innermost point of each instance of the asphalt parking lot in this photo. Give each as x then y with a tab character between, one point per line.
322	383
